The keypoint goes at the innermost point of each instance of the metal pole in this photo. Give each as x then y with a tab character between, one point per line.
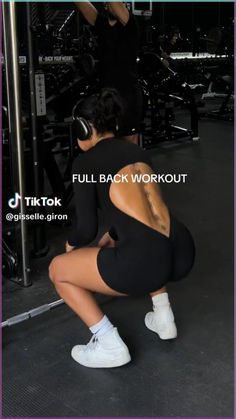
15	121
19	318
40	246
31	313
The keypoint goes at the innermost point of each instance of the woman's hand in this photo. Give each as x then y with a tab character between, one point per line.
68	247
106	241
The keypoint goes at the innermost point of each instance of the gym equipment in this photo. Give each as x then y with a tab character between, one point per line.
15	129
19	143
207	67
142	8
224	89
44	308
37	110
31	313
191	58
9	262
166	90
216	79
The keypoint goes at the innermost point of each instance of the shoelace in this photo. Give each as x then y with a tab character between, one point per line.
91	346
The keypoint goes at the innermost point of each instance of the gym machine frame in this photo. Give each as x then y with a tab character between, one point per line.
15	125
40	246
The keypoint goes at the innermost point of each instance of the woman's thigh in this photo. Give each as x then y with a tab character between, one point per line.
79	267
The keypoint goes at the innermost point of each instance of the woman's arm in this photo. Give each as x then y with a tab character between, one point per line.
88	11
85	226
120	11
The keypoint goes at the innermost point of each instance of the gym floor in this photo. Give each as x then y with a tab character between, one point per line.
190	376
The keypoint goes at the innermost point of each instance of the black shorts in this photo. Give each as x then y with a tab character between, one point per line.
144	265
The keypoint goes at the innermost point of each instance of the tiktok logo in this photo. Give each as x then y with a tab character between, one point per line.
14	202
32	201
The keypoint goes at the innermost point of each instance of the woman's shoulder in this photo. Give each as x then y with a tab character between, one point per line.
129	147
123	151
109	152
121	142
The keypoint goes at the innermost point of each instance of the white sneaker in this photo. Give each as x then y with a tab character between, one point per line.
105	351
161	321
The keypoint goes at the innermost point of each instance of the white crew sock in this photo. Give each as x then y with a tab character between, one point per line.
161	306
160	300
102	327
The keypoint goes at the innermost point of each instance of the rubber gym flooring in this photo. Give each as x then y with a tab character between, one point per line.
190	376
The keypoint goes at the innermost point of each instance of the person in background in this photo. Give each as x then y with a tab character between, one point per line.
117	34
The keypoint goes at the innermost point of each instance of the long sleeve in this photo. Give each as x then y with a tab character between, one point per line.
85	223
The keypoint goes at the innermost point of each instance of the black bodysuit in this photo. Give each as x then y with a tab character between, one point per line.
143	259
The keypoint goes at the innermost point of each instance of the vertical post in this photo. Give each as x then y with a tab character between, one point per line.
40	247
15	124
189	94
219	15
195	32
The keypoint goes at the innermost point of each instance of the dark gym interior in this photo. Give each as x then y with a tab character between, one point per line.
187	128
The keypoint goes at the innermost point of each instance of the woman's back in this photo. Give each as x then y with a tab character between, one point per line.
125	182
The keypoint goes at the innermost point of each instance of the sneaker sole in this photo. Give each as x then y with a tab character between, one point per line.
174	336
110	364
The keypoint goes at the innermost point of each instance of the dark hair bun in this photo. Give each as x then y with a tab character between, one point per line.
103	110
